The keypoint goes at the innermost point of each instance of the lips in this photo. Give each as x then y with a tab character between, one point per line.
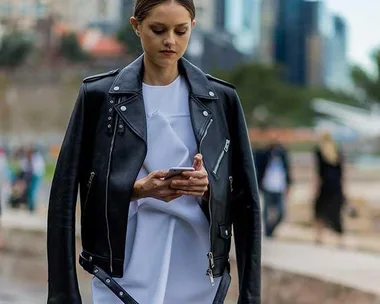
168	52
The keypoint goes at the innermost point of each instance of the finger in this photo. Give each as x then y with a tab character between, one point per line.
189	183
191	193
195	174
159	174
167	183
193	188
177	177
168	192
198	162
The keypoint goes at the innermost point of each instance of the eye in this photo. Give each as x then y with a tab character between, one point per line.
181	32
158	31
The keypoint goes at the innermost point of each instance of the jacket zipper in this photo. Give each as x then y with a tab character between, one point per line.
210	255
89	184
231	183
224	151
107	185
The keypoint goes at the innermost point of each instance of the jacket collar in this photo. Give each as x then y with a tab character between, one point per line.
129	80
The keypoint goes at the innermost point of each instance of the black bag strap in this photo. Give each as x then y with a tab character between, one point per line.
107	280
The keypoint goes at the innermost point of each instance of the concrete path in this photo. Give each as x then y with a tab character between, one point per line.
17	293
348	268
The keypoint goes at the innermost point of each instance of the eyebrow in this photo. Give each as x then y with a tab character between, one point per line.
159	23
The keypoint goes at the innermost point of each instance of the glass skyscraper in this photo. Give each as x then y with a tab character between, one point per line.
242	22
289	41
337	74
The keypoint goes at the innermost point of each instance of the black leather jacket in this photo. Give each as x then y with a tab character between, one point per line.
103	151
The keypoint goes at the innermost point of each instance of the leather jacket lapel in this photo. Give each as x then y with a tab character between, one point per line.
132	111
200	117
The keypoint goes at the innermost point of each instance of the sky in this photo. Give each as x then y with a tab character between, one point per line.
363	18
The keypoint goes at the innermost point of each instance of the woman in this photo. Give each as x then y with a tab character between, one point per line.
4	176
145	238
330	198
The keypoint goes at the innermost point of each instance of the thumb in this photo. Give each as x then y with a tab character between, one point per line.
198	162
159	174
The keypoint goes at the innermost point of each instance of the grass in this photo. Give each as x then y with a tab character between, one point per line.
49	169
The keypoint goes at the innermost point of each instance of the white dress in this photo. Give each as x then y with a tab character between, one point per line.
167	244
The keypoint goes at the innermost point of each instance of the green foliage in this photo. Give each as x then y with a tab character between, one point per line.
71	49
14	49
130	40
49	172
370	84
267	100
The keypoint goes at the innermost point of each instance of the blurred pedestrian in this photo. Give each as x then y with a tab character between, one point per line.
148	238
328	186
32	170
4	177
274	177
38	164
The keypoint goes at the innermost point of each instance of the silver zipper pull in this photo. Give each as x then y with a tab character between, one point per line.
231	182
90	179
227	145
211	260
211	276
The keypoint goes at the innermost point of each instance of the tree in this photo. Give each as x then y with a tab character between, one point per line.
14	49
370	84
261	89
264	95
71	49
130	40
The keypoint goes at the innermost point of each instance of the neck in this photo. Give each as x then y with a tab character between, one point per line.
156	75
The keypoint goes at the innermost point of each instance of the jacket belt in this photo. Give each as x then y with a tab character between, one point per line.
106	280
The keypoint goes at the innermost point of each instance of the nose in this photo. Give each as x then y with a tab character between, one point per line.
169	39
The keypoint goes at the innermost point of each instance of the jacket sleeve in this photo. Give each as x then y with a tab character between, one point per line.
246	211
288	168
62	276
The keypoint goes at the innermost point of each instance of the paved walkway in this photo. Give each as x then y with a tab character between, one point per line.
293	252
359	241
11	293
354	269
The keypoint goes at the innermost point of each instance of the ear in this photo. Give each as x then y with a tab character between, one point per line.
135	24
193	22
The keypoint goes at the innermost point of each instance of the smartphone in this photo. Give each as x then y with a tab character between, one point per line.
174	171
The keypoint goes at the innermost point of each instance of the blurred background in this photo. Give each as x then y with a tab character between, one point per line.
301	68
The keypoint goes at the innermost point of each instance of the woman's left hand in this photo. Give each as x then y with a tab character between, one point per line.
196	182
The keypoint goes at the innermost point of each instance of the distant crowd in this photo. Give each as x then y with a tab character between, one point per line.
21	172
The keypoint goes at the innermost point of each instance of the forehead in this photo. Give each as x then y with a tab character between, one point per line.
170	12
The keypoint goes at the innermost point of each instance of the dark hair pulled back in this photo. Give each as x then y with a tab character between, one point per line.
143	7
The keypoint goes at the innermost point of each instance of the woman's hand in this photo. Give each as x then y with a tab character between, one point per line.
155	186
194	183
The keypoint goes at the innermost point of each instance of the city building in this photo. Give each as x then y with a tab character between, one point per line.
301	37
242	21
315	26
127	9
337	71
22	14
226	35
289	42
268	22
79	14
207	14
307	41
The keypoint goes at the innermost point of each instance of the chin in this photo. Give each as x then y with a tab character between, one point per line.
164	62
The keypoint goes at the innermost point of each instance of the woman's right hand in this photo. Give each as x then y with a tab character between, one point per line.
155	186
